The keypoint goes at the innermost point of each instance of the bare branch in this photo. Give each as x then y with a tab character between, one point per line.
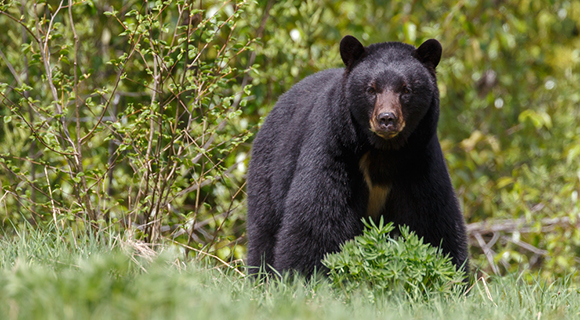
520	225
489	254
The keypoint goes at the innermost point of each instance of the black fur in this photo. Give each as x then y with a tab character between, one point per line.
306	191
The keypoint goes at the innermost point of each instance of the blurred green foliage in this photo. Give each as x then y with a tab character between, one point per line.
510	109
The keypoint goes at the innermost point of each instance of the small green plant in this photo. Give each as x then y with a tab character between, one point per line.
383	264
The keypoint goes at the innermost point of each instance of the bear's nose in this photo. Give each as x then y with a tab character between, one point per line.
387	119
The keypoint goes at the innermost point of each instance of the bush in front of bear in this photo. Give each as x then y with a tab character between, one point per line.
383	265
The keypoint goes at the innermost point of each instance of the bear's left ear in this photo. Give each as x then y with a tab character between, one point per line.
429	53
350	50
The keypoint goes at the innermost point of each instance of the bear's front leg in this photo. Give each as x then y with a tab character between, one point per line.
319	216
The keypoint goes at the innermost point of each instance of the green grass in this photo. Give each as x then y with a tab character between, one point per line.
43	276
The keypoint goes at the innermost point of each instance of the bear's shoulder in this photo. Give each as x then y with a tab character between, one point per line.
306	101
315	85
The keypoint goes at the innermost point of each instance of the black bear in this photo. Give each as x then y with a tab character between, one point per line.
349	143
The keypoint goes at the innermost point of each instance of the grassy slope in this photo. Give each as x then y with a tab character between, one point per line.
42	277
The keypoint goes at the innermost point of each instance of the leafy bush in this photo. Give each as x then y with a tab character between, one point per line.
385	264
125	115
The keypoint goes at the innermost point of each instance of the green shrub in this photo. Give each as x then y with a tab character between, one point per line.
385	264
128	117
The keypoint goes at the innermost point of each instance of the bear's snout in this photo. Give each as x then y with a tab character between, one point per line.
387	121
387	118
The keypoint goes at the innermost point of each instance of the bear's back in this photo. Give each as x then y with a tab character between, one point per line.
296	116
296	105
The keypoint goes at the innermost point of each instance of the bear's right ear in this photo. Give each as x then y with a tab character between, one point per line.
429	53
350	50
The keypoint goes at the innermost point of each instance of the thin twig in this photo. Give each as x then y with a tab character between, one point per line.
22	24
54	210
209	255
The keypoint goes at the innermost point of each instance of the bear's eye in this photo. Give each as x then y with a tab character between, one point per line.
405	89
371	90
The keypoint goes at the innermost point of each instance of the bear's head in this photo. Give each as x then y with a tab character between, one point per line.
390	88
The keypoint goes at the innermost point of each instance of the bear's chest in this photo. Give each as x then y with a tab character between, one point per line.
378	189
